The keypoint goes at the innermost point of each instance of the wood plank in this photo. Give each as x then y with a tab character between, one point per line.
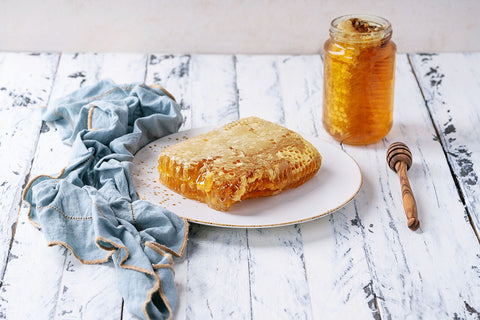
301	83
259	88
279	287
90	291
68	288
213	90
47	276
123	68
218	279
336	268
25	83
83	288
173	73
424	273
278	283
450	83
223	291
209	81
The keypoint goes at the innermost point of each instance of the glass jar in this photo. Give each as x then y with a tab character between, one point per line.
359	72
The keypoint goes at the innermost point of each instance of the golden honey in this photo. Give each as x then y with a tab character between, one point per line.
244	159
359	72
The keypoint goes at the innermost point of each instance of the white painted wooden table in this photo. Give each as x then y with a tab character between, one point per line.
361	262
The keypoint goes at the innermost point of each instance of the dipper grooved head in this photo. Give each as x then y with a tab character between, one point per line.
397	152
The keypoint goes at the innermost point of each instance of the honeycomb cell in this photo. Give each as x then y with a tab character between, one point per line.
244	159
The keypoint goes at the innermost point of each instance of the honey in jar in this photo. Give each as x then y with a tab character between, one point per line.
359	71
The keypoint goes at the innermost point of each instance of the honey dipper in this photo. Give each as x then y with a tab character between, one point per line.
399	159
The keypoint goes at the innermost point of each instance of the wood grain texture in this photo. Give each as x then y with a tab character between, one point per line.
79	301
275	254
361	262
258	86
90	290
419	274
221	251
25	83
335	261
407	197
222	292
301	85
69	289
172	72
279	287
39	268
213	90
399	159
205	88
450	84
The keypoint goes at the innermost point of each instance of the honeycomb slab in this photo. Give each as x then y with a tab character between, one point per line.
248	158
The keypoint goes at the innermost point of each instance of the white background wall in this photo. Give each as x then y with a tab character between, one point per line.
227	26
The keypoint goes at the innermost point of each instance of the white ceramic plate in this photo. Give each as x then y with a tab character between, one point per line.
336	183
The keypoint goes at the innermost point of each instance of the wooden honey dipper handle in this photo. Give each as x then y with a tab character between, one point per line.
399	159
409	203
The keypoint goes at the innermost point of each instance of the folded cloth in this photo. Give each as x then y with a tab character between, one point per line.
92	208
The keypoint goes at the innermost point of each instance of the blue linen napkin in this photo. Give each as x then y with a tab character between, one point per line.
92	208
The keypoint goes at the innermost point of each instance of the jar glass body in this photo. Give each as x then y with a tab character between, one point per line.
358	90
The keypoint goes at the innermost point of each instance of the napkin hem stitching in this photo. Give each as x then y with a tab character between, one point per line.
66	245
90	100
64	116
156	287
28	187
184	242
63	214
133	218
98	208
90	117
114	249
